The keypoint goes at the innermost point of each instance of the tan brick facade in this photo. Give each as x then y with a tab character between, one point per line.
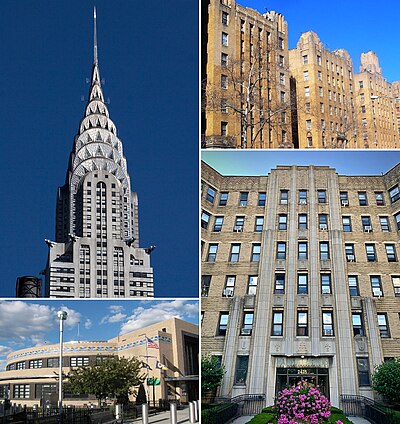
301	275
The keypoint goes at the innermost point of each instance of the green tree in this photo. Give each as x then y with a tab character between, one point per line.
211	373
141	396
386	380
115	378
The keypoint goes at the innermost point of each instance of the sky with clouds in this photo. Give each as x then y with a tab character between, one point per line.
34	323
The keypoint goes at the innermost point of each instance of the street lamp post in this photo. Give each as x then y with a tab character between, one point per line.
62	316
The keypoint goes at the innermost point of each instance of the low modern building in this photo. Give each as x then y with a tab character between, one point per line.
300	278
170	348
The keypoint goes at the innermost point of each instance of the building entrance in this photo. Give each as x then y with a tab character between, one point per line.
287	377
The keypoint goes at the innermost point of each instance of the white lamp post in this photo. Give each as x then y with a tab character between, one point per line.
62	316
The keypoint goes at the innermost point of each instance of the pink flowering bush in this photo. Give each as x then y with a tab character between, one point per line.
301	404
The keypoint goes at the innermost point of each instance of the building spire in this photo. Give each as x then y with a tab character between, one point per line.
95	58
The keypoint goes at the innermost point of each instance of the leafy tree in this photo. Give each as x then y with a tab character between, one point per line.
211	373
115	377
386	380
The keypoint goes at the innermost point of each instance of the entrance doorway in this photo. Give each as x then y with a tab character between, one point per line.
287	377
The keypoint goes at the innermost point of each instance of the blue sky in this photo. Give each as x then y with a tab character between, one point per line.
261	162
148	58
34	323
355	26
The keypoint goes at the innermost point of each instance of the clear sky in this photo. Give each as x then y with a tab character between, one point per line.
349	162
34	323
148	58
353	25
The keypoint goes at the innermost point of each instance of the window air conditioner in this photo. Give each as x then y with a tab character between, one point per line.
303	202
328	332
246	331
345	203
228	293
350	258
323	227
238	229
367	229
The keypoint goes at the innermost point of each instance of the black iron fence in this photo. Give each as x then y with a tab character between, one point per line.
375	412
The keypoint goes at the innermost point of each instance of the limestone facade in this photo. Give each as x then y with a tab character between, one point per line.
300	278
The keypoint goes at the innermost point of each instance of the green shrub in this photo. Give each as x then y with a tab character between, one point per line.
335	417
336	410
219	414
268	409
263	418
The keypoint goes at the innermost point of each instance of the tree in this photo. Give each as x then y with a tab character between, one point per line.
386	380
249	90
211	373
116	377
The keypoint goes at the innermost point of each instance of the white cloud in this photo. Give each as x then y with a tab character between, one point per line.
114	309
88	324
5	350
73	318
160	311
111	319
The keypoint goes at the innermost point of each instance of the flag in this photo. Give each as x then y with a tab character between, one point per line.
161	366
151	344
144	365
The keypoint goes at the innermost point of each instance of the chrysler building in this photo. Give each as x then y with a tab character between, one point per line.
96	250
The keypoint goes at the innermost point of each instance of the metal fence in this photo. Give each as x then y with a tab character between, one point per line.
375	412
248	404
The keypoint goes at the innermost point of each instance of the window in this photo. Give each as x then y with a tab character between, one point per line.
281	250
224	39
320	75
225	17
391	252
308	124
277	323
242	363
323	221
252	288
394	194
282	96
376	285
349	249
353	285
302	284
259	224
397	218
305	74
371	254
362	198
282	222
361	83
358	329
303	197
346	220
239	224
281	61
223	199
320	91
229	286
326	287
79	361
21	391
36	363
282	78
210	196
222	324
279	284
383	325
321	196
302	323
262	197
366	224
363	372
319	60
224	129
235	252
284	197
302	221
205	285
224	81
219	220
224	59
384	221
205	218
243	198
324	250
280	43
305	59
307	91
396	285
212	252
20	365
52	362
379	198
247	324
327	323
302	251
255	252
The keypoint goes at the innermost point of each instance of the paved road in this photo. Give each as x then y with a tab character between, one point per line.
163	417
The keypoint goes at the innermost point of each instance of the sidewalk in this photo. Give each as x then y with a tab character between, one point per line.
163	417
